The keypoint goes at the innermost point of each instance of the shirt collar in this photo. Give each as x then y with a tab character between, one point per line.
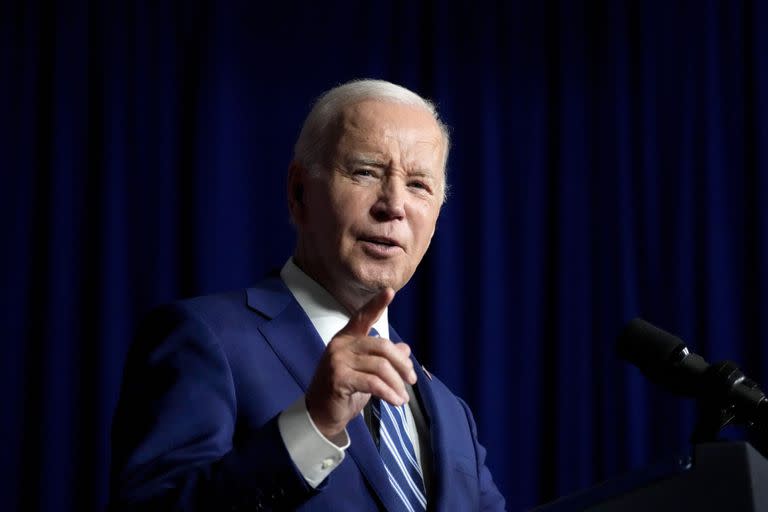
327	316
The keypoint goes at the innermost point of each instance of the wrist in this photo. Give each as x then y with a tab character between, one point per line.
332	431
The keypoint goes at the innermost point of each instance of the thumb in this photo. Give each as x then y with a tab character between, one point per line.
361	322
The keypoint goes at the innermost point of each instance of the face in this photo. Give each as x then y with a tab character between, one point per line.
365	222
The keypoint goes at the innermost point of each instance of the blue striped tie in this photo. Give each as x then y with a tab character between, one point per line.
397	453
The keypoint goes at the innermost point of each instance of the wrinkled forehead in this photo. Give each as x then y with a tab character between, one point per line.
368	123
371	113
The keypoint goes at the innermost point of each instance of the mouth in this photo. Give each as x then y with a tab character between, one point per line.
380	247
380	240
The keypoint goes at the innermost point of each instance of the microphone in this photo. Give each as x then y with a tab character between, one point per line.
665	360
662	357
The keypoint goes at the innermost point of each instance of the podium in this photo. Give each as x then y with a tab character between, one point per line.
721	476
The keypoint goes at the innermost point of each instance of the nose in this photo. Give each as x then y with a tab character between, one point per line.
390	203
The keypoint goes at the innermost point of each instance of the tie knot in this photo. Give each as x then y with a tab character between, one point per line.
373	332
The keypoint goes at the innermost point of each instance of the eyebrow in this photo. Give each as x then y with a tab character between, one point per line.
372	161
379	163
421	174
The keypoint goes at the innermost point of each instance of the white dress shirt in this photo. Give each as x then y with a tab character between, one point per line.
314	455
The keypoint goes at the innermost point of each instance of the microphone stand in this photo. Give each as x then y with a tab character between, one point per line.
730	398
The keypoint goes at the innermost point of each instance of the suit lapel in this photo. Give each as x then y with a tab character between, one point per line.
426	397
298	346
366	456
296	343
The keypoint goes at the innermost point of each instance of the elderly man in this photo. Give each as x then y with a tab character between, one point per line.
290	395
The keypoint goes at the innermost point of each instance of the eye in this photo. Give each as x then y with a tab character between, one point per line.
419	185
365	174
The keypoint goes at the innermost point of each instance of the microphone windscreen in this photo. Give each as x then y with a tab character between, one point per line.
645	345
662	357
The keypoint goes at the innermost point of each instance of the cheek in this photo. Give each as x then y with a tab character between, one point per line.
336	207
351	208
344	217
425	220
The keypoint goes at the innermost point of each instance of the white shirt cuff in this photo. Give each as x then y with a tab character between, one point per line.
314	455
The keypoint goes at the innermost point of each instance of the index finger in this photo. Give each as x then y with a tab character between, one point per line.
361	322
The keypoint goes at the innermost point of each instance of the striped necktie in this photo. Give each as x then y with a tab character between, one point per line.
397	453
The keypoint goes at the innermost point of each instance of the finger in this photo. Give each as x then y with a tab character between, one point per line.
405	350
397	355
361	322
373	384
384	370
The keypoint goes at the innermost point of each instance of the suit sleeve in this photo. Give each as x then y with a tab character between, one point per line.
174	444
490	497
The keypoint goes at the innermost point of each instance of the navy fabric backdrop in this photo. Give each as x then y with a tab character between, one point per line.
610	160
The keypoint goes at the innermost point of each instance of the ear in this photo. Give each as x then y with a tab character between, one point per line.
297	176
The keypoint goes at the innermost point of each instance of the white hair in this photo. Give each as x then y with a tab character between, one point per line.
313	145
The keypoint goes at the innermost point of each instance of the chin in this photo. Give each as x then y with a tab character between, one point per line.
375	279
379	281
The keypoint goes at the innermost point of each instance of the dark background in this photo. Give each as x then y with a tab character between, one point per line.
609	161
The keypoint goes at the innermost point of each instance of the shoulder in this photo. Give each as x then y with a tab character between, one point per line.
219	316
445	396
198	313
225	307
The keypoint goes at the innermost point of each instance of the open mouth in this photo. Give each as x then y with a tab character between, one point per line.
383	241
378	246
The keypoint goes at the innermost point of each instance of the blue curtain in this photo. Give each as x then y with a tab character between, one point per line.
610	160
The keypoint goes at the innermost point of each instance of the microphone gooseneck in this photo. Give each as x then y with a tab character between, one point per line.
666	361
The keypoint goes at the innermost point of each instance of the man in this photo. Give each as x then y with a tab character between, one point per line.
291	395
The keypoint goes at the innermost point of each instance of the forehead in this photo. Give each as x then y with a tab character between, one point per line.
378	125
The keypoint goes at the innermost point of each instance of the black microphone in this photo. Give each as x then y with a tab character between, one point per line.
665	360
662	357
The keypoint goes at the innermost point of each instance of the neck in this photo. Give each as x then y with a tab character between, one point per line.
350	298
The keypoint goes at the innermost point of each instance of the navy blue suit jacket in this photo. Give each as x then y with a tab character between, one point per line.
196	424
